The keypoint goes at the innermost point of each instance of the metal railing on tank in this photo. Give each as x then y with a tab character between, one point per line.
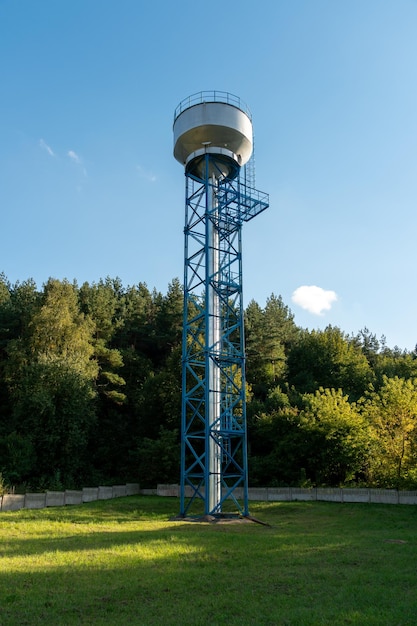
212	96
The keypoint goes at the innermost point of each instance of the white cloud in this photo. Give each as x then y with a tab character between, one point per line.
314	299
149	176
77	160
74	157
45	146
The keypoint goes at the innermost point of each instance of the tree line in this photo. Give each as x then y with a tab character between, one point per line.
90	392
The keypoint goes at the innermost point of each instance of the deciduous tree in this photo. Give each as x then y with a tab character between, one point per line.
392	414
326	358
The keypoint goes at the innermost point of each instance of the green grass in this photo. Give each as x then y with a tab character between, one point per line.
122	562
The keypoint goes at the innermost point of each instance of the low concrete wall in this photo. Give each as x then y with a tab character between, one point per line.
90	494
278	494
356	495
119	491
149	492
105	493
55	498
258	493
132	489
35	501
73	497
385	496
300	493
168	490
407	497
294	494
13	502
331	495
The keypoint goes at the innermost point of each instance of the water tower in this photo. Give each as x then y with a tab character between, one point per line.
213	140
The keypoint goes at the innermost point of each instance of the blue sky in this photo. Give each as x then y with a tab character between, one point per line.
89	187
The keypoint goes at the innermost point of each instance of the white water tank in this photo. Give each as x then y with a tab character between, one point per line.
215	123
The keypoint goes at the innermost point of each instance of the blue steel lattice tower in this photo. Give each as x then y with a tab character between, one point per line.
213	139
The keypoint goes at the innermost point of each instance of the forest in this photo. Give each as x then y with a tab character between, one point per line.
90	393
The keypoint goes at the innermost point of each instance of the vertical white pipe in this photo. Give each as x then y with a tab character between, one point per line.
214	455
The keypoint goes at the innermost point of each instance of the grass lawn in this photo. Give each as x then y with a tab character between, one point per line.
123	562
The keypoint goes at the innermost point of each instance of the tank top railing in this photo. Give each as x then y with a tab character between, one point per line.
212	96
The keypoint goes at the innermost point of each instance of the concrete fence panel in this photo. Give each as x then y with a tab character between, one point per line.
72	496
258	493
12	502
355	495
384	496
55	498
168	490
35	500
280	494
90	494
132	489
407	497
329	494
301	493
105	493
119	491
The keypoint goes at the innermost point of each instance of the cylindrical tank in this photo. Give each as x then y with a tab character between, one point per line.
215	123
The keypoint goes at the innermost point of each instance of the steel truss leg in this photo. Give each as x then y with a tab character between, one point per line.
213	442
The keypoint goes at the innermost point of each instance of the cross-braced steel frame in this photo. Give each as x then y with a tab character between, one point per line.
213	427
